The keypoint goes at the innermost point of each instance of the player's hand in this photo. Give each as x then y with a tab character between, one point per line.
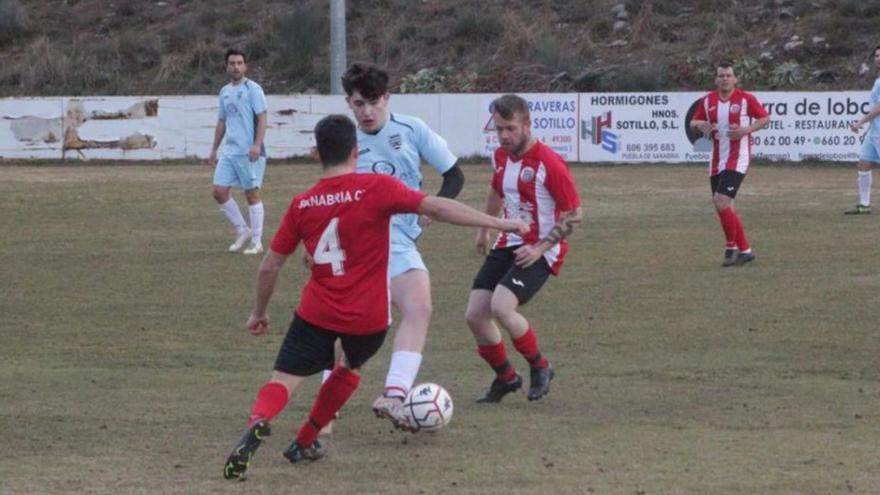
308	261
526	255
212	159
254	153
425	221
736	132
258	324
517	226
482	241
855	127
705	127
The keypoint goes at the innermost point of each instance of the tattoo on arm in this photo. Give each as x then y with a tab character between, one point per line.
563	228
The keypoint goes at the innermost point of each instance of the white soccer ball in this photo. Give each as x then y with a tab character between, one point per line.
428	407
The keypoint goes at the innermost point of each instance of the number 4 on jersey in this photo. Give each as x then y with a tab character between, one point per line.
328	249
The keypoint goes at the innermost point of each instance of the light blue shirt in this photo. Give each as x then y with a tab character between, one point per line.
398	149
874	128
239	106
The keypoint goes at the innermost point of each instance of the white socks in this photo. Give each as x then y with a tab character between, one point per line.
402	372
864	182
230	211
256	221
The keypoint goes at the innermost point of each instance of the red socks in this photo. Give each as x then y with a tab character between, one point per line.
496	356
334	393
741	242
729	220
270	401
733	229
527	345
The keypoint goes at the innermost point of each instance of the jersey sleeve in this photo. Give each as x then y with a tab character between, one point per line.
700	112
561	184
755	109
497	176
397	197
258	99
434	149
287	237
875	93
221	110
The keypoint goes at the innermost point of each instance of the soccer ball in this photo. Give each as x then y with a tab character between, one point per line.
428	407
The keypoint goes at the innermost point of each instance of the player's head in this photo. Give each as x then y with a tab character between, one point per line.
876	55
366	87
513	123
336	139
725	77
236	64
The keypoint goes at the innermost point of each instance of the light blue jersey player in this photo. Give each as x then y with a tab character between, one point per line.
398	149
870	152
241	118
396	145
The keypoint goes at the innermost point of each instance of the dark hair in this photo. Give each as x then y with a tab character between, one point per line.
725	64
875	50
233	51
335	136
367	79
509	105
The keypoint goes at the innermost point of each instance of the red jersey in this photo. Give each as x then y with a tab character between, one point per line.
739	109
537	188
343	222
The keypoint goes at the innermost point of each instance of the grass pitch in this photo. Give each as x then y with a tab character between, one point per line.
125	366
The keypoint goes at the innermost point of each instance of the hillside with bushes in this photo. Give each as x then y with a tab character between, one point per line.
92	47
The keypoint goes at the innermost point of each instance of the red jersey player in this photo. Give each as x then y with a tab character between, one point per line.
343	222
533	183
726	116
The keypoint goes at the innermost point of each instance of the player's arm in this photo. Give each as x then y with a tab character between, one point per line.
219	132
451	211
700	121
494	203
871	115
267	277
453	182
528	254
739	132
255	150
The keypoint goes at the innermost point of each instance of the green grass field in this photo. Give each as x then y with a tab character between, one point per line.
125	366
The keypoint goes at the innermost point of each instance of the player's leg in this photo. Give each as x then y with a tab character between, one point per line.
411	294
224	178
334	393
478	316
736	249
251	174
306	350
515	289
869	155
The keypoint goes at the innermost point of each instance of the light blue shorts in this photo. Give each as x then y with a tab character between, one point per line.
404	259
239	171
870	149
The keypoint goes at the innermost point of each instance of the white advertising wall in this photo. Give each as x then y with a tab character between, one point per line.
582	127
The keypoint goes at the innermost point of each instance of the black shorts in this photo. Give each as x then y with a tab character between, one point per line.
726	182
308	349
499	268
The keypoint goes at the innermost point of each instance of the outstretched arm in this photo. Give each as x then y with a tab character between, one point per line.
267	276
451	211
528	254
